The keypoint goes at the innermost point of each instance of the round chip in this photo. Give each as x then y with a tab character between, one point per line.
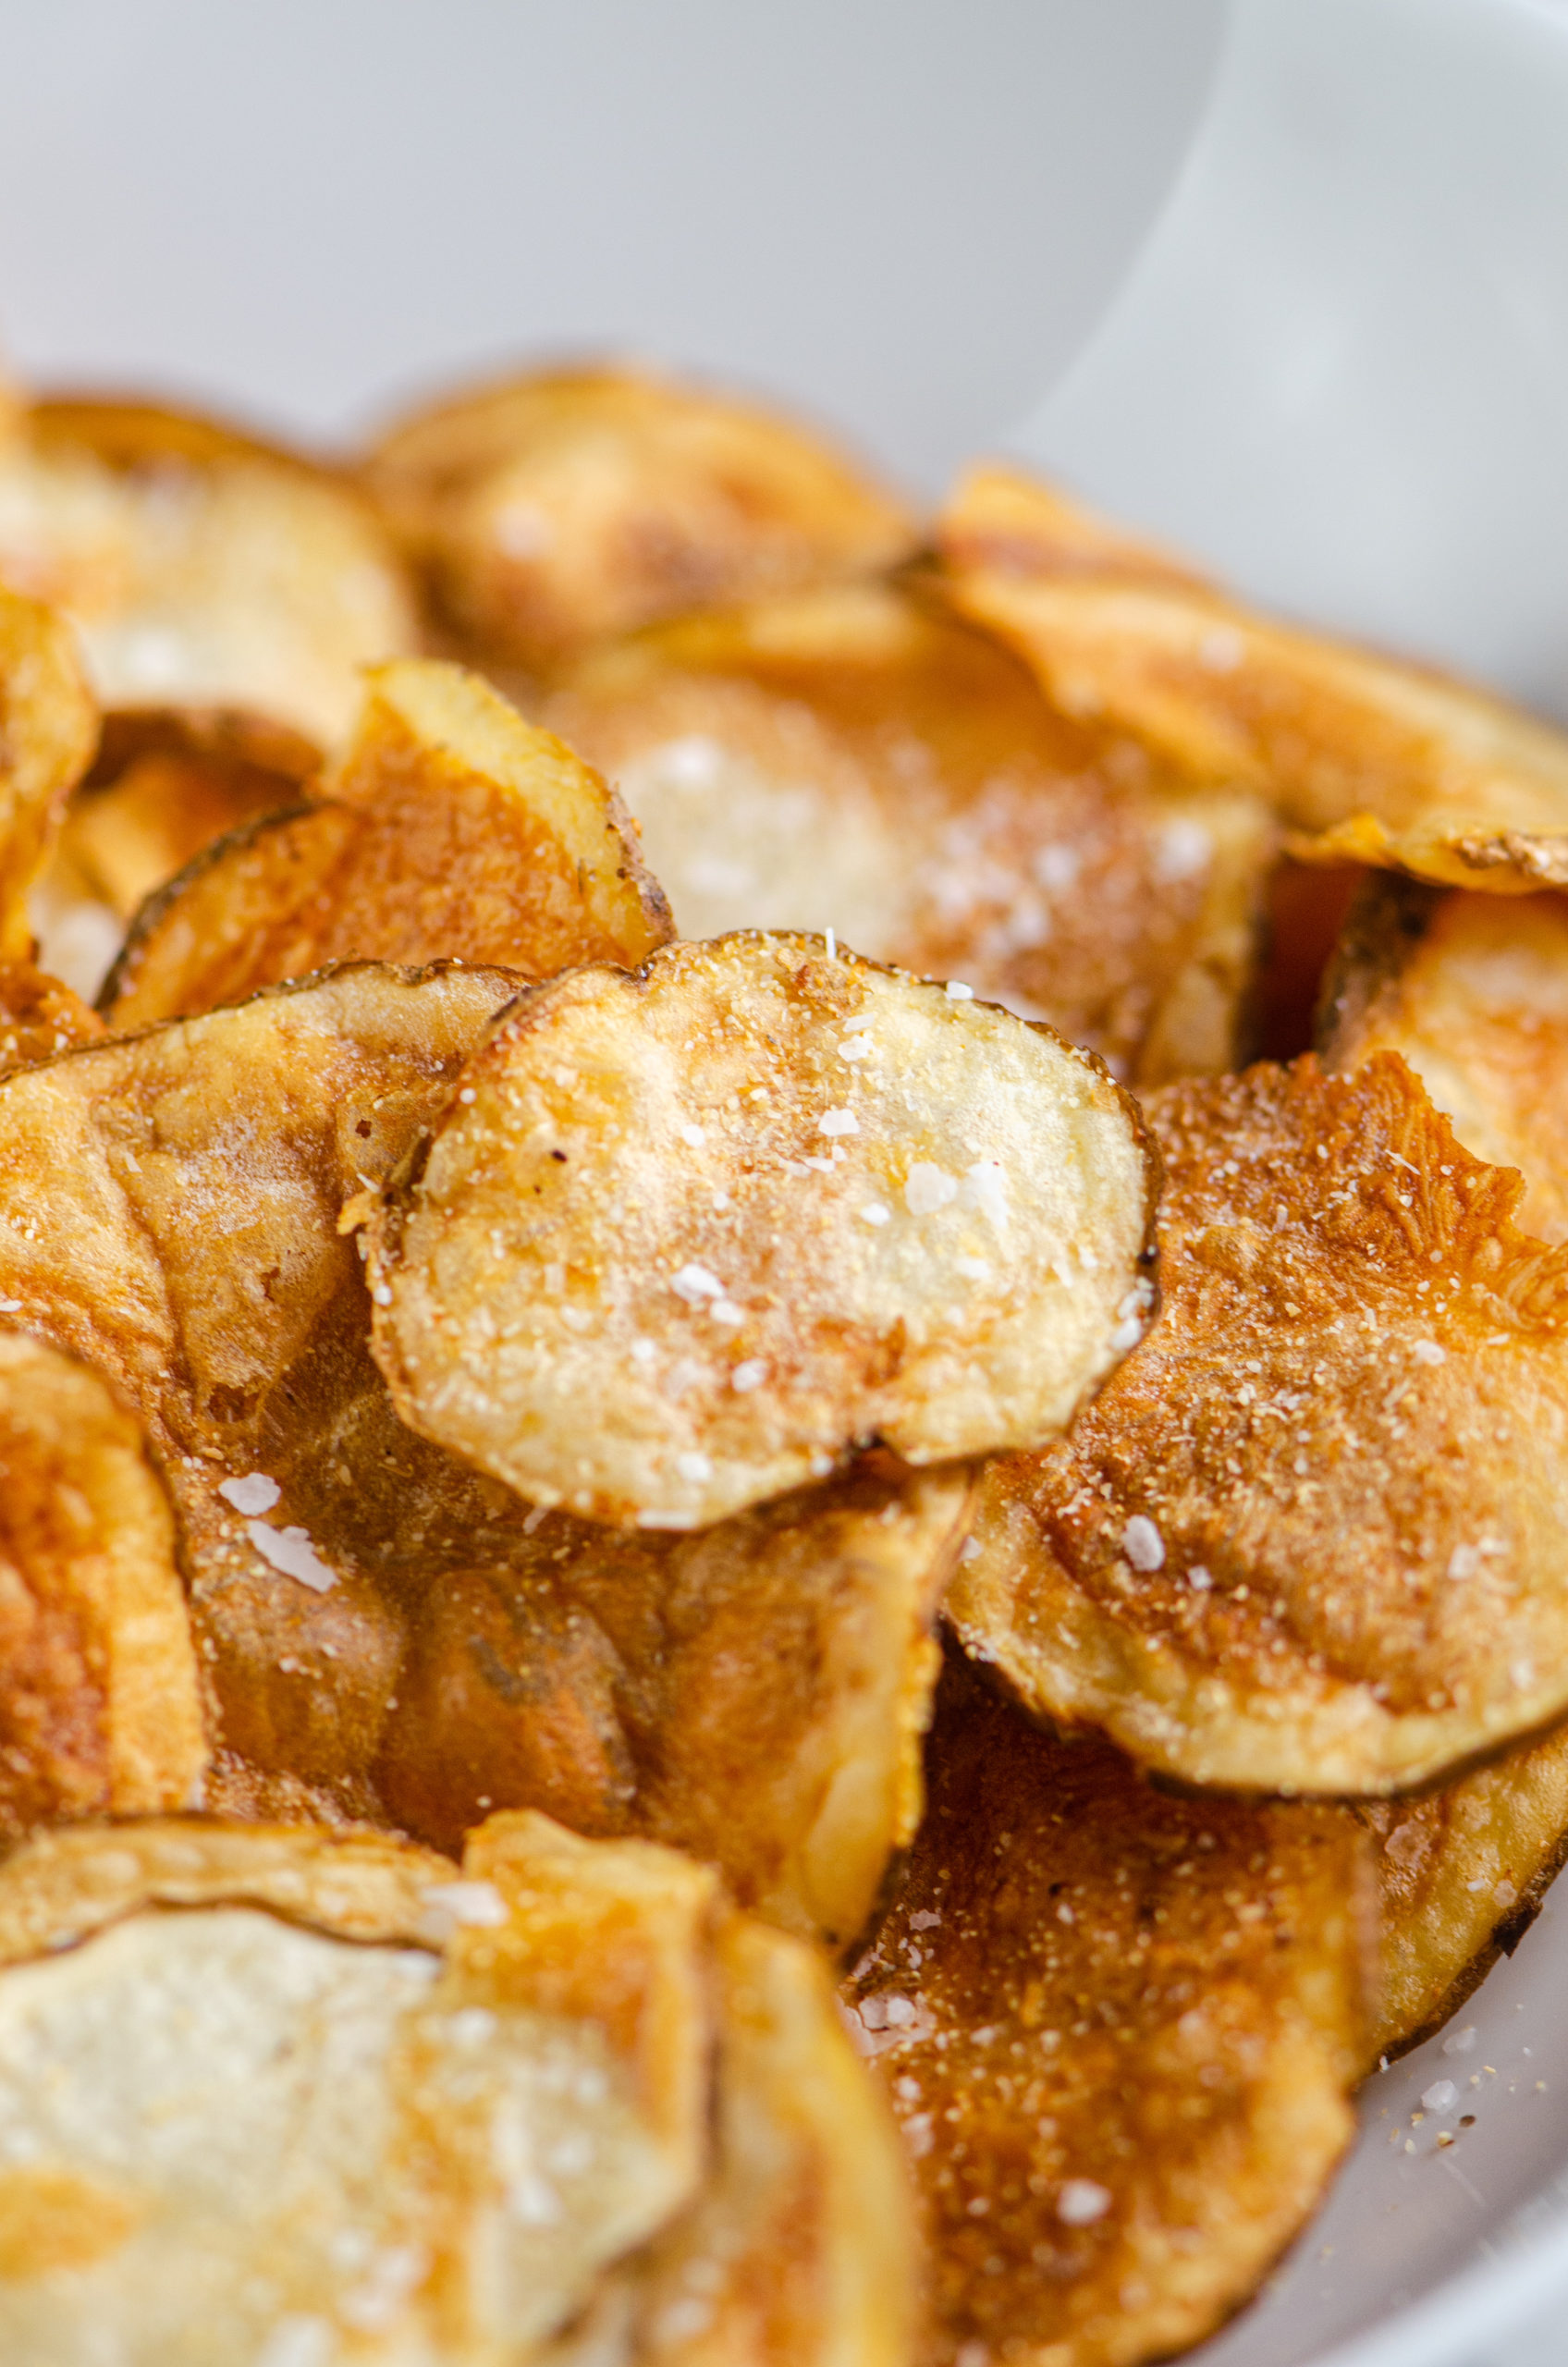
758	1205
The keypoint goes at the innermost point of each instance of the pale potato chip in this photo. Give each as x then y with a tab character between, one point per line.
756	1694
1473	994
200	568
347	2098
1000	519
48	731
448	827
856	760
99	1708
1311	1537
1371	761
1461	1873
553	511
759	1204
1118	2030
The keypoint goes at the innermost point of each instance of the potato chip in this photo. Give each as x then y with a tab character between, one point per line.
200	568
1000	519
48	731
853	759
1461	1873
759	1204
346	2097
1370	760
39	1016
1473	994
553	511
99	1710
1310	1538
448	827
756	1694
1118	2030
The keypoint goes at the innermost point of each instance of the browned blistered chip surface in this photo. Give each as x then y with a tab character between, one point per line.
855	760
39	1016
1310	1538
99	1708
48	731
344	2085
1472	992
554	512
200	568
1118	2030
759	1204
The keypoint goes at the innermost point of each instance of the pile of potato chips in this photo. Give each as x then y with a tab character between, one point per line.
656	1347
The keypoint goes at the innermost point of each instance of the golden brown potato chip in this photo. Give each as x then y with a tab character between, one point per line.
1118	2030
1461	1875
1310	1538
1370	760
200	568
39	1016
553	511
99	1711
999	519
345	2100
851	759
1473	994
756	1694
759	1204
48	731
449	827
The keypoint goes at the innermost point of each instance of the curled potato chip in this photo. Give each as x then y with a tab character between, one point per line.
202	568
48	731
343	2090
1473	994
99	1708
552	511
1461	1873
759	1204
1371	761
855	760
1310	1538
756	1694
449	827
1118	2032
999	519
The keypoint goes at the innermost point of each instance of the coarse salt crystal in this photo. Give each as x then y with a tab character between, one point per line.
1082	2202
927	1188
253	1493
974	1268
10	1306
749	1375
290	1551
873	1212
1427	1351
1439	2096
383	1293
956	991
1199	1579
692	1135
694	1468
1464	1562
1461	2042
694	1283
1143	1543
838	1122
643	1352
451	1906
971	1549
468	1094
986	1183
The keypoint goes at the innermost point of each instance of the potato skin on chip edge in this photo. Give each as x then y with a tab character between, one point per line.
1118	2030
1309	1537
597	1205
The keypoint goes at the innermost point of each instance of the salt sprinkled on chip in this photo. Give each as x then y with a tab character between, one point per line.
290	1551
749	1375
927	1188
694	1283
691	1135
1427	1351
838	1122
253	1493
1143	1543
873	1212
957	991
1082	2202
451	1905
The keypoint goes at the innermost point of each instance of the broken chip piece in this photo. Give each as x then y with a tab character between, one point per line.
1310	1538
856	759
48	731
448	827
1118	2030
99	1708
759	1204
553	511
309	2100
1472	992
1370	761
202	568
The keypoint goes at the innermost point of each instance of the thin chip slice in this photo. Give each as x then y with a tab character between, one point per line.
449	827
1370	761
553	511
1118	2030
1473	994
1311	1537
39	1016
802	2249
202	568
1000	519
1461	1874
99	1708
346	2098
759	1204
756	1695
48	731
857	760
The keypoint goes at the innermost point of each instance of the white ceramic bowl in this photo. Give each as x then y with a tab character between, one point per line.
1339	371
